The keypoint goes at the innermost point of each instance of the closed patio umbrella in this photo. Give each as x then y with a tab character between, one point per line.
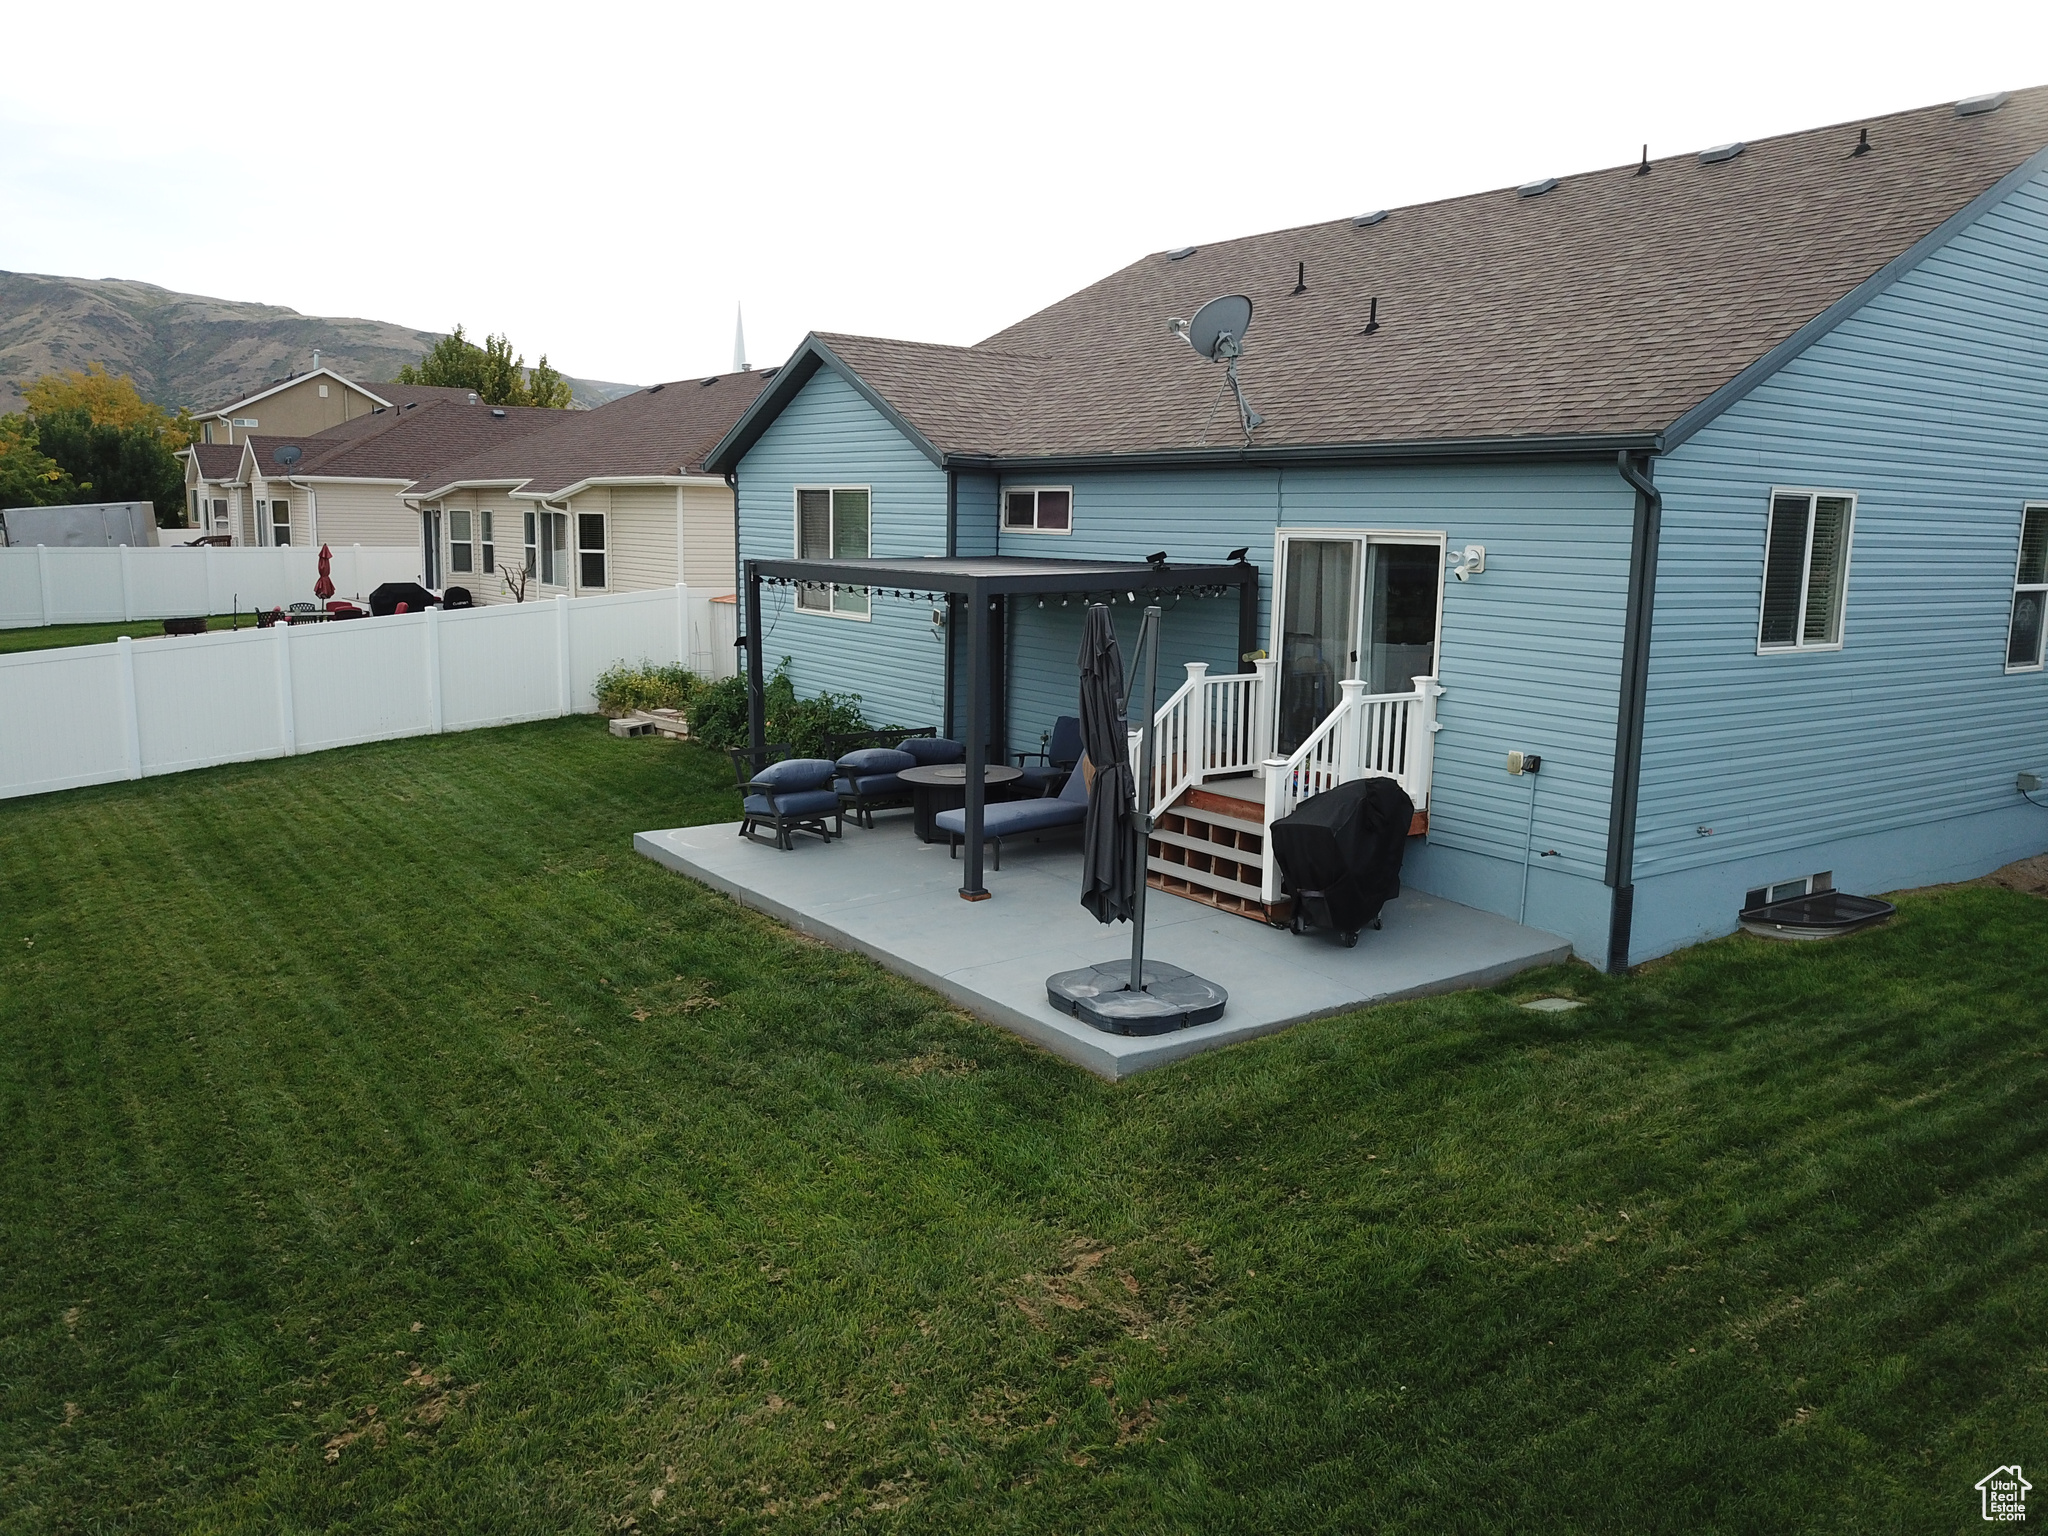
1109	842
324	587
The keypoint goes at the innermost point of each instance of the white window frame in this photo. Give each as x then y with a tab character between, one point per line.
603	551
2028	510
796	540
552	555
1363	538
269	520
1004	525
530	526
465	565
486	538
1800	644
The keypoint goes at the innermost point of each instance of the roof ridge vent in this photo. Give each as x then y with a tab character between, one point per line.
1536	188
1977	106
1367	220
1722	152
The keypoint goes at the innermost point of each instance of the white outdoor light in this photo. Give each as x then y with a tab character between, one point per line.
1470	563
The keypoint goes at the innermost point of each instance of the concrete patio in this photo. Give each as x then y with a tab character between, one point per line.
895	899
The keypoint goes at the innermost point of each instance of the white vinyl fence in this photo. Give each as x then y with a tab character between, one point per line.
40	585
92	714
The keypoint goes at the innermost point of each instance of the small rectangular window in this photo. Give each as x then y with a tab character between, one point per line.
461	548
532	545
1806	571
833	523
1038	509
490	544
554	549
590	549
2029	594
220	515
280	521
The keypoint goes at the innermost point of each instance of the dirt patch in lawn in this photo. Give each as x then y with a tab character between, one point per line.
2027	876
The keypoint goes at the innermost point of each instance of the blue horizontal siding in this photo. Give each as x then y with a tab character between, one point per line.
1931	404
829	435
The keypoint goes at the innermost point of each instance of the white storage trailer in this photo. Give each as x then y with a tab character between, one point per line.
89	525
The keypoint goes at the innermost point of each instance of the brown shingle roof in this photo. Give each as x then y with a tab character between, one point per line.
664	430
1608	305
218	461
409	445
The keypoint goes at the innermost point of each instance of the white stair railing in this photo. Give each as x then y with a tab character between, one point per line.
1210	728
1391	734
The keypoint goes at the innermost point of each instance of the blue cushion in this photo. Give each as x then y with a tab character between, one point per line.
875	760
758	805
878	784
1015	816
794	773
808	802
931	750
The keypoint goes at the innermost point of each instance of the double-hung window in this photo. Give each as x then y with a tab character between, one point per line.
590	550
1806	570
832	524
554	549
280	521
532	544
2029	593
461	548
490	546
1038	509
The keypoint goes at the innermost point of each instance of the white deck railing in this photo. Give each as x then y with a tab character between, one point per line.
1211	728
1391	734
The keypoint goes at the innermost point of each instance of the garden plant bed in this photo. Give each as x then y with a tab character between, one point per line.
423	1158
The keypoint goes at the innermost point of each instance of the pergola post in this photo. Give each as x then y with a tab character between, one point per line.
1247	617
757	723
971	888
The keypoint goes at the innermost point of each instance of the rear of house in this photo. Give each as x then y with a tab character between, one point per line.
1733	458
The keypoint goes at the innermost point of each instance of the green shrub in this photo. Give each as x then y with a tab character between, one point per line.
622	688
718	714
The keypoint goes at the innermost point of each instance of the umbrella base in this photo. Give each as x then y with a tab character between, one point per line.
1100	995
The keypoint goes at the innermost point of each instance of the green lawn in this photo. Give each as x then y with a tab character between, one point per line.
387	1147
49	637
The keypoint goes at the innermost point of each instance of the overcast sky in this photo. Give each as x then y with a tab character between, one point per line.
606	181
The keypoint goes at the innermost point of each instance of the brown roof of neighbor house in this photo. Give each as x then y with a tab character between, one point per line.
407	445
664	430
218	461
1608	305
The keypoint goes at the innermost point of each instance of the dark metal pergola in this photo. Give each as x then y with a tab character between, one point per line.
983	587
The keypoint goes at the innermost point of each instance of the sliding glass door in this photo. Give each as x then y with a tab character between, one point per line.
1351	605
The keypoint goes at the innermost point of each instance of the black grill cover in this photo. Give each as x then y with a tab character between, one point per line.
385	600
1342	850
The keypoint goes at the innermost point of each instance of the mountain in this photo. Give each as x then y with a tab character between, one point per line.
182	349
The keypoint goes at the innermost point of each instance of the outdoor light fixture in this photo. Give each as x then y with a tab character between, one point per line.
1471	563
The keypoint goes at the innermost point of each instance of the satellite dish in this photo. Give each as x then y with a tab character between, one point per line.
289	454
1217	332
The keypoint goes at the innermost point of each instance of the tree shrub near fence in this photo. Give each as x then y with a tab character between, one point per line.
40	585
92	714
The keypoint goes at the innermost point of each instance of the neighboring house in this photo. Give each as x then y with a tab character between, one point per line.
1752	442
312	402
611	500
213	491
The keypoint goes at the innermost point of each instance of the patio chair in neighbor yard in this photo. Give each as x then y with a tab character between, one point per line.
786	794
1014	818
1056	758
868	762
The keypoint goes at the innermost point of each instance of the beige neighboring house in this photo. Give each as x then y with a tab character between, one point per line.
213	494
306	404
611	500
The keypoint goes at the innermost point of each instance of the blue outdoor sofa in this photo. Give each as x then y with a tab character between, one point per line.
1013	818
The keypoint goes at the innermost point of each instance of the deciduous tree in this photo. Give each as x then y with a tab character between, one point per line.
492	370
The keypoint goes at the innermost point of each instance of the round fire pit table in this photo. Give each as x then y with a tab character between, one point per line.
943	787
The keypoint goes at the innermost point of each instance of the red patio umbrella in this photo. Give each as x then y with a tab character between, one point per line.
324	587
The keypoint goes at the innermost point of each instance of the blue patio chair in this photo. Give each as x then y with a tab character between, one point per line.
787	794
1013	818
1062	750
867	782
933	750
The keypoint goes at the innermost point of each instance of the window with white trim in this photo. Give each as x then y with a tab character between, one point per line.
554	549
2029	594
532	544
1806	570
1789	890
280	521
461	548
832	523
490	546
590	550
1038	509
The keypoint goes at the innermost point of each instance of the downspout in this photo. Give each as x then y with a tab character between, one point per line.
1635	681
948	630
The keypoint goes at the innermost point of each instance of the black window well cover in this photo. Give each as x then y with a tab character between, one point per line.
1346	845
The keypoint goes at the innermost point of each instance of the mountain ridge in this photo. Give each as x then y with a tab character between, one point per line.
186	349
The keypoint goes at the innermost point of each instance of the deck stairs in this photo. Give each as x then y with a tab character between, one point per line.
1218	784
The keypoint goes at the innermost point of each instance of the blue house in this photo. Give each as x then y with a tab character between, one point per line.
1717	483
